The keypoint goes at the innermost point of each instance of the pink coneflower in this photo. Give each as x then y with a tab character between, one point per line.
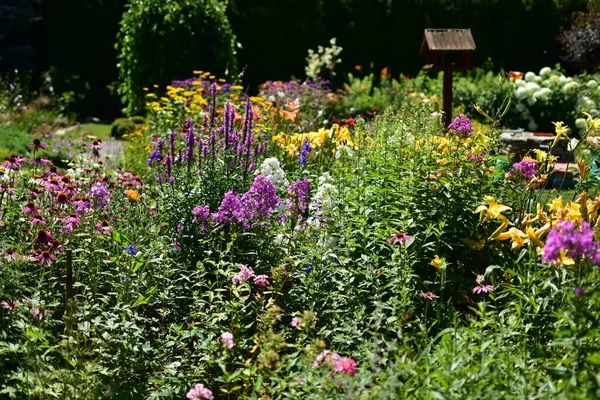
7	189
11	254
346	365
483	289
227	339
40	312
429	295
36	145
34	193
8	305
43	237
103	228
199	392
45	257
399	237
62	198
30	208
13	162
37	219
40	161
72	219
261	280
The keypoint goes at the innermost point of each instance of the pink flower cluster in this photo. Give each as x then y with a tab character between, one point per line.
227	339
345	365
199	392
483	289
245	274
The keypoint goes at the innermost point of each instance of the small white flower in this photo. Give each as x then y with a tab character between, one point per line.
530	76
271	169
592	84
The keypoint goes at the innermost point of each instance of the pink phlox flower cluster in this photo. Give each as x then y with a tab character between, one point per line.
483	289
524	168
326	356
199	392
227	339
245	274
261	280
461	126
347	366
575	241
299	197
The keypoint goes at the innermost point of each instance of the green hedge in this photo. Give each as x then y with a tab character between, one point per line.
164	40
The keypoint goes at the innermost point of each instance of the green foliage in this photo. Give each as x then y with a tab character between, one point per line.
161	41
13	141
122	126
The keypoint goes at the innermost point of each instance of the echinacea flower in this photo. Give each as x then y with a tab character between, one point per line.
45	257
199	392
43	237
30	208
483	289
62	198
8	305
399	237
429	295
36	145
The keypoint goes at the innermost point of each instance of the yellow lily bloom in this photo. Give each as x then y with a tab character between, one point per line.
561	130
437	262
493	210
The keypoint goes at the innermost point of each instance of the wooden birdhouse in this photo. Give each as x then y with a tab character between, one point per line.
447	50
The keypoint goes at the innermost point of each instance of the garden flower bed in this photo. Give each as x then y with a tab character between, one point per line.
247	248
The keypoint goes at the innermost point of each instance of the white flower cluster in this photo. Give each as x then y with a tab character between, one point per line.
325	58
550	86
327	194
271	168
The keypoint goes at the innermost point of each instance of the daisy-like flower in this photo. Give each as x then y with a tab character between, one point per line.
45	257
43	237
103	228
37	219
429	295
11	254
8	305
62	198
30	208
72	219
36	145
483	289
399	237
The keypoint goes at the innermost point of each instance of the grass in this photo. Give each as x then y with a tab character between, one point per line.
13	141
101	131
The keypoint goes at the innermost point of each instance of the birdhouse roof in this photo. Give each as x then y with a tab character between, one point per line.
448	39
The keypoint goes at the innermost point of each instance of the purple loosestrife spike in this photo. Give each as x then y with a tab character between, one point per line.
190	140
172	138
168	165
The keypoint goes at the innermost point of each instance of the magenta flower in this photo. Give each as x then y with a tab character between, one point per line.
346	365
43	237
461	126
429	296
8	305
227	339
36	145
45	257
399	237
261	280
30	208
37	219
524	168
245	274
566	236
199	392
483	289
295	322
326	356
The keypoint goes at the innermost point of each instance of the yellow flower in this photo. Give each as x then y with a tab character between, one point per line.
133	195
561	130
480	111
518	237
237	87
155	86
493	210
592	123
198	72
438	262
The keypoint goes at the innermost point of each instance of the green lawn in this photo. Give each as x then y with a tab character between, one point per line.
101	131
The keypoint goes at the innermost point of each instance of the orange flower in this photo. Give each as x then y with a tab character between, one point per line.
516	75
358	67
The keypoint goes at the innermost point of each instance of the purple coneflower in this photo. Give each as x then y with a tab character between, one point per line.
37	219
399	237
30	208
43	237
45	257
36	145
483	289
429	295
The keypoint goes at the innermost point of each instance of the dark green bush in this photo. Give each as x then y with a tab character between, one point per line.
161	41
121	126
136	119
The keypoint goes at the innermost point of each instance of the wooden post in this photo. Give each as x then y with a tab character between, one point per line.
69	278
448	96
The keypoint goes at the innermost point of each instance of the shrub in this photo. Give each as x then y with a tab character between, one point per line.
160	41
581	42
122	126
136	119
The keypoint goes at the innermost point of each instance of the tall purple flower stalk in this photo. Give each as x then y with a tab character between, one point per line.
298	197
190	140
306	148
260	201
172	137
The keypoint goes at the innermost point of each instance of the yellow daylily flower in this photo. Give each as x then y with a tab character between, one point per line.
493	210
561	130
437	262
